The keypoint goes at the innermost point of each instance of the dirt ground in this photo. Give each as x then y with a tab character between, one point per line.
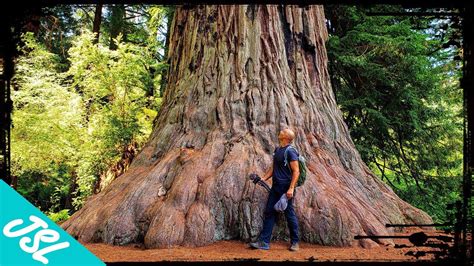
236	250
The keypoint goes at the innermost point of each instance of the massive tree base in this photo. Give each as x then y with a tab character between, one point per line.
239	74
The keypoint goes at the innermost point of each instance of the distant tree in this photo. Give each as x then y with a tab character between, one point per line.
97	21
396	80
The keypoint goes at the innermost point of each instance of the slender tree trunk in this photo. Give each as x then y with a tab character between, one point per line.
238	75
97	22
117	23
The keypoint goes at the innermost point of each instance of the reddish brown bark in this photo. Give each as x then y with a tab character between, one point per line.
238	75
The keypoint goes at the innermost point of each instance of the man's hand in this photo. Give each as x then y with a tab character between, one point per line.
289	193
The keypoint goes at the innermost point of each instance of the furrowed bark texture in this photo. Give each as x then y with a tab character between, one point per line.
238	75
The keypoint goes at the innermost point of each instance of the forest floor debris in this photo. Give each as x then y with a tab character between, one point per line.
233	250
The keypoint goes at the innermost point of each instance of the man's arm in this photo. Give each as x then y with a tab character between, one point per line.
295	173
268	174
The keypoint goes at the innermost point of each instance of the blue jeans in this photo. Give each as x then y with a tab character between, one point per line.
270	214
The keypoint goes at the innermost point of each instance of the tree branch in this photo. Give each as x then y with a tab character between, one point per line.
382	170
414	174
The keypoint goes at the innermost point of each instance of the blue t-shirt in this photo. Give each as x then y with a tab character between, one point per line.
282	172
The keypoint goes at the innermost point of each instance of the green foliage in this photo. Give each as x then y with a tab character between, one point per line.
58	25
113	84
438	192
60	216
71	126
46	126
400	97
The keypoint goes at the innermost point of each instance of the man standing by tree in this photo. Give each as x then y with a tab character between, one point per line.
284	181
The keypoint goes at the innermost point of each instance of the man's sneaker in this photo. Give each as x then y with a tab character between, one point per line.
294	247
259	245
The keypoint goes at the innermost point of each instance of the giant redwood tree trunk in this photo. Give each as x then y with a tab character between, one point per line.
239	74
